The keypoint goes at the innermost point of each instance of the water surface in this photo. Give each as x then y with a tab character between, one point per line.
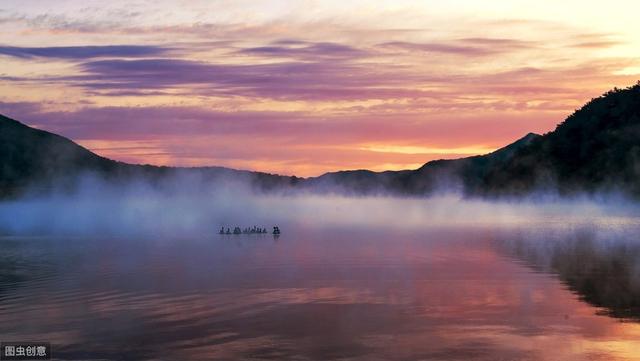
472	292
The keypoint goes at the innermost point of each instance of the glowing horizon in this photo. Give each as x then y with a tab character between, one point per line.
307	87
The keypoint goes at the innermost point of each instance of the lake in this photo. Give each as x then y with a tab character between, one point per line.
546	290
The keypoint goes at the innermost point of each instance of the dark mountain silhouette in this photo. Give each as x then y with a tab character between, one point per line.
36	160
440	175
596	148
28	154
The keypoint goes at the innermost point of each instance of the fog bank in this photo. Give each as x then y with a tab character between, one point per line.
188	206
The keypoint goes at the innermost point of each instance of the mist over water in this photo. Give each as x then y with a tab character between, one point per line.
191	206
138	271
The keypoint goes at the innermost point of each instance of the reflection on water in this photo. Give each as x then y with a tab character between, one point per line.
603	268
436	294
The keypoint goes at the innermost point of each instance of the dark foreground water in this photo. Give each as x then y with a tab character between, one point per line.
438	293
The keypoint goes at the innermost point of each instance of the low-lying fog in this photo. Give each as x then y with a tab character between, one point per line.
191	207
381	274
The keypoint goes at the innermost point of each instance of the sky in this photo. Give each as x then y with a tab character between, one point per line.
305	87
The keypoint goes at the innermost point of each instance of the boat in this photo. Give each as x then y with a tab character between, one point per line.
253	230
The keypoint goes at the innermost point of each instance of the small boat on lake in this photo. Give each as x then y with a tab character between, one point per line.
247	230
276	230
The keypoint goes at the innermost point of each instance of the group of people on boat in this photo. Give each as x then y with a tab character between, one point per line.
247	230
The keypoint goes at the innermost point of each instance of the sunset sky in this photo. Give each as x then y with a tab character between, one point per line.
305	87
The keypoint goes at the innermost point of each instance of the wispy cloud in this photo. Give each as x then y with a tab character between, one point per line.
84	52
306	50
281	80
439	48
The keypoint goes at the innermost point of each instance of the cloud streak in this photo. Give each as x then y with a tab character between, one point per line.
455	49
83	52
281	80
306	50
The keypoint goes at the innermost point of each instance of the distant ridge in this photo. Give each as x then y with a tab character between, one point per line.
36	160
597	148
27	154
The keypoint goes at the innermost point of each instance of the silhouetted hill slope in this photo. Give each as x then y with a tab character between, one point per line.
27	154
596	148
38	160
434	176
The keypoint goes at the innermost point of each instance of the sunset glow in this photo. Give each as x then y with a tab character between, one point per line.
306	87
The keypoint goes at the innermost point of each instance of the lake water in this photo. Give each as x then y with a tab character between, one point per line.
553	291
